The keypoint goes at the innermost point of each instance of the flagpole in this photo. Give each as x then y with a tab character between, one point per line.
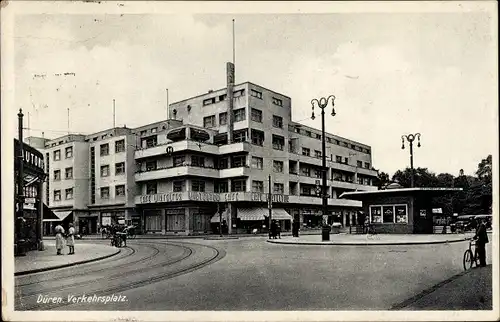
114	114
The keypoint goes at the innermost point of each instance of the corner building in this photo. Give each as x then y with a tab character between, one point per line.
189	176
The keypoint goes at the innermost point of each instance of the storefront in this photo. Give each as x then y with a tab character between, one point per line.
400	210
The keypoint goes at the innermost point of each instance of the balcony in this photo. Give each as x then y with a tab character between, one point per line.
311	200
234	148
169	172
186	145
243	171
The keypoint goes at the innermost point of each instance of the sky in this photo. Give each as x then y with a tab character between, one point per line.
392	74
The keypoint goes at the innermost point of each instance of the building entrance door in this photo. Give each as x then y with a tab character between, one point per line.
176	220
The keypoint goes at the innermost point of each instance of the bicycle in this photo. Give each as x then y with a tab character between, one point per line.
131	232
470	257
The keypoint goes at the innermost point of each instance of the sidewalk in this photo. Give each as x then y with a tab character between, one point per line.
368	240
470	290
39	261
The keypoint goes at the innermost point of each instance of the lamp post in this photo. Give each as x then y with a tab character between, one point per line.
322	104
410	138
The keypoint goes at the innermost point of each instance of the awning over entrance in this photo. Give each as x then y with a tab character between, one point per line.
61	215
48	214
216	218
255	214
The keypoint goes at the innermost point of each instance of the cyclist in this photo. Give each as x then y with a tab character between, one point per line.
481	238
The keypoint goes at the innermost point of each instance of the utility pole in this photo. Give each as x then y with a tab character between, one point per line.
270	205
20	188
220	219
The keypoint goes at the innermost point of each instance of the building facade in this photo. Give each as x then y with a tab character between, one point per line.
186	174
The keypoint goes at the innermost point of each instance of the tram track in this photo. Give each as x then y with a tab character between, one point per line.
186	253
189	251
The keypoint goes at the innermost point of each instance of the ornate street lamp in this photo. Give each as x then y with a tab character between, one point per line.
410	138
322	104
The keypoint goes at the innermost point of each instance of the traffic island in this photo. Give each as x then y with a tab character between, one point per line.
373	240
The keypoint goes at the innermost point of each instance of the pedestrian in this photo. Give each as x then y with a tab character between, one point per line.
59	239
70	240
481	238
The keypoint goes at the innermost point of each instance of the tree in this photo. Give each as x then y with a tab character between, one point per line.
382	180
423	178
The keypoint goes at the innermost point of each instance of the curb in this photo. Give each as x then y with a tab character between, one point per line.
367	244
220	238
424	293
44	269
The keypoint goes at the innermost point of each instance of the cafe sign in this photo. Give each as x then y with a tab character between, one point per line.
263	197
211	197
161	197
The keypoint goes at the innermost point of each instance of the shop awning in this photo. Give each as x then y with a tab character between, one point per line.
62	214
281	214
216	218
48	214
256	214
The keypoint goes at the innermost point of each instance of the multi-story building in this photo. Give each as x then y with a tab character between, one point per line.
181	175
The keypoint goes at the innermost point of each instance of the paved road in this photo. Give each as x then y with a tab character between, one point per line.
250	274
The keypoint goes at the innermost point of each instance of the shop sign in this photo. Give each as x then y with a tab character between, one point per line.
162	197
230	196
30	200
203	196
423	213
263	197
437	210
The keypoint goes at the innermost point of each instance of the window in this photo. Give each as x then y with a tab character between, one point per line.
151	141
278	188
221	187
239	93
239	115
57	195
69	193
318	136
317	154
305	171
317	173
151	165
104	149
338	159
401	214
178	186
277	121
104	170
346	160
69	173
329	139
238	161
179	160
257	186
120	146
238	185
306	151
151	188
277	166
144	132
120	191
257	137
154	130
208	101
223	118
367	165
308	133
359	164
222	97
105	193
197	161
198	185
57	155
120	168
57	175
257	163
388	214
69	152
277	101
255	93
278	142
209	121
306	190
223	163
256	115
360	180
375	214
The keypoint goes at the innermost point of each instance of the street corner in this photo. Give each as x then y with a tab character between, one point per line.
39	261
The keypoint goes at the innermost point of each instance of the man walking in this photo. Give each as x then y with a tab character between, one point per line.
70	241
481	238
